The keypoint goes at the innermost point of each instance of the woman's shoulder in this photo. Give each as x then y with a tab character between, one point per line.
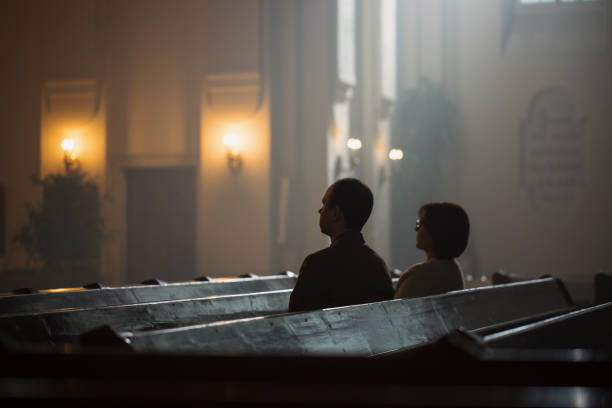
415	267
430	278
433	267
413	271
431	264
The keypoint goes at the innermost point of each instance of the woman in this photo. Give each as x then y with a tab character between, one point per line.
442	232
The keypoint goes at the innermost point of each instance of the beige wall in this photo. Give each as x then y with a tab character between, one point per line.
163	55
233	208
495	90
149	60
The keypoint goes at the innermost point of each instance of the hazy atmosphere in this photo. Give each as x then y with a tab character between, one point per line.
177	139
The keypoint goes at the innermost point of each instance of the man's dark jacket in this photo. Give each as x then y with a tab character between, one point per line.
348	272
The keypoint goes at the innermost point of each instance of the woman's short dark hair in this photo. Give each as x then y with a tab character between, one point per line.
449	227
354	199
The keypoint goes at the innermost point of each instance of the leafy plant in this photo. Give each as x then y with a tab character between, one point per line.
422	123
66	227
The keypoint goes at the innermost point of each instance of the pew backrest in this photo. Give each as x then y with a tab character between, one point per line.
108	296
588	328
362	330
65	326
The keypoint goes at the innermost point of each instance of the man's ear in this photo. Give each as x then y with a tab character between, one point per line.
337	213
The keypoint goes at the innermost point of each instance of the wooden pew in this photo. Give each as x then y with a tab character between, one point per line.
65	326
602	283
362	330
107	296
70	377
588	328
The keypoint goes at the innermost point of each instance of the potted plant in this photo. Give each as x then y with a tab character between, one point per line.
64	230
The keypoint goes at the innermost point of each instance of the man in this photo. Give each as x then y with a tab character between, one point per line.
348	272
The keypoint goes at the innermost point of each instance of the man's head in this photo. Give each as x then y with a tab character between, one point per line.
347	204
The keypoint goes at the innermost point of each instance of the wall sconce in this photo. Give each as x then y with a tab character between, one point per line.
354	146
71	161
231	141
395	155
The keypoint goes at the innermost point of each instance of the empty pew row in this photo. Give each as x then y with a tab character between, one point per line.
108	296
361	330
65	326
516	379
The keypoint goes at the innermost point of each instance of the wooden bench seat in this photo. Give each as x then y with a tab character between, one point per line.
362	330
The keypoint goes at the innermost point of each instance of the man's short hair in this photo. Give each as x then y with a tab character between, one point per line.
449	227
354	199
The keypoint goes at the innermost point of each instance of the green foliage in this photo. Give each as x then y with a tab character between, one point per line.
66	227
422	125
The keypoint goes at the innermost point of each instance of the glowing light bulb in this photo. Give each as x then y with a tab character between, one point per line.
396	154
353	144
232	142
67	145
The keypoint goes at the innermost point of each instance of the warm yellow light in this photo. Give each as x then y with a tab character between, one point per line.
70	155
353	144
396	154
59	290
232	142
68	145
234	158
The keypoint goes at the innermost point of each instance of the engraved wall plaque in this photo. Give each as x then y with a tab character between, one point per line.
553	148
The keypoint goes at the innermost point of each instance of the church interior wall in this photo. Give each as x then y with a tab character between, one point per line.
174	78
514	227
152	60
492	81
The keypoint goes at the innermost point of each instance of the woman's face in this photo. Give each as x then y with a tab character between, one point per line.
423	237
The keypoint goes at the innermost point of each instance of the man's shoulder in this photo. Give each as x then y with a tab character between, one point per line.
317	258
373	253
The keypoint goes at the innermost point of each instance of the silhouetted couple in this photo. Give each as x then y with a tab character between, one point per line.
349	272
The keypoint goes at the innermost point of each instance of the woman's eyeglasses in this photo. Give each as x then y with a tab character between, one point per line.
417	225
